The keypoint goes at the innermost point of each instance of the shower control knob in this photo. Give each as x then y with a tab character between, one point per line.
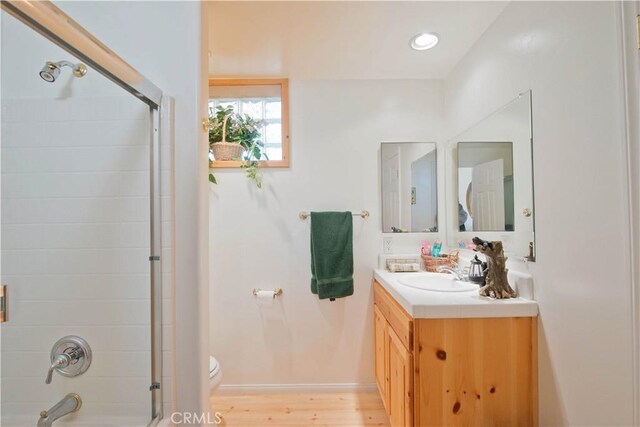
61	361
70	357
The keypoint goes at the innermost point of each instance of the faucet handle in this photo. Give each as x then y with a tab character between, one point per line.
61	361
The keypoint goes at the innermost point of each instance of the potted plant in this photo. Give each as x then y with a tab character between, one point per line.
236	137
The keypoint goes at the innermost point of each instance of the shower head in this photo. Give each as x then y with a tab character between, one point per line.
51	70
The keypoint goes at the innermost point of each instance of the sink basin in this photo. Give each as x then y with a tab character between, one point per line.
436	282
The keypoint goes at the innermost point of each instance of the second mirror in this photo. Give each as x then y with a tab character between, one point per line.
409	187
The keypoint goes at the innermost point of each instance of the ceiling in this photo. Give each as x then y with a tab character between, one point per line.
342	39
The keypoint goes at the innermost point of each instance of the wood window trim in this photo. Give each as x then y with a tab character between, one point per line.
284	84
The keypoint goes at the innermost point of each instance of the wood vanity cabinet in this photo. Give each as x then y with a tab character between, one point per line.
454	372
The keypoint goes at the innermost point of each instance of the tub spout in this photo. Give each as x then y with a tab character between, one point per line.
70	403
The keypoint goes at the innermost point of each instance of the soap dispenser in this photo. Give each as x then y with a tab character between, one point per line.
476	274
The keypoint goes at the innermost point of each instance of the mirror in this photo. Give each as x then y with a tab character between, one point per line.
409	187
491	194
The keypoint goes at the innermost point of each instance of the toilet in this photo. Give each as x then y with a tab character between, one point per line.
215	374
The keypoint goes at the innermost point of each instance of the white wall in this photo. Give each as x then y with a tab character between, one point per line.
257	239
567	53
630	11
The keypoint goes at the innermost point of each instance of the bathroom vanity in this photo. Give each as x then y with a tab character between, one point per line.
453	358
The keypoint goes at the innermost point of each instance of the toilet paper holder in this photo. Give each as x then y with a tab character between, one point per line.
276	292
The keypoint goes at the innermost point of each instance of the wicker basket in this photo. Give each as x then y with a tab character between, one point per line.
432	263
227	150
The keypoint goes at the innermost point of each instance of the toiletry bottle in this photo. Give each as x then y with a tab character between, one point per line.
426	248
437	247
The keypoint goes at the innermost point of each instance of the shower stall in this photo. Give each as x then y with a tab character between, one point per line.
82	260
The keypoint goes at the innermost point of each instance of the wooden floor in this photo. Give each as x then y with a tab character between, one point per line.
347	409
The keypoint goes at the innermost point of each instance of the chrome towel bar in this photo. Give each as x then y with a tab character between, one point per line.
306	214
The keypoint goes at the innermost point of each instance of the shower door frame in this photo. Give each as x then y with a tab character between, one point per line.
55	25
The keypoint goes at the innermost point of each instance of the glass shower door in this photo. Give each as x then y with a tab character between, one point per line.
75	239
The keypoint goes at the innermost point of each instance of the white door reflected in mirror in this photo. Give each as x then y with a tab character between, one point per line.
485	186
409	187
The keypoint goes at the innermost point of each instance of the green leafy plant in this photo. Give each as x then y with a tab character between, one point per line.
227	126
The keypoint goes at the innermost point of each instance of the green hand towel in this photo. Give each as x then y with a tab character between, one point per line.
332	254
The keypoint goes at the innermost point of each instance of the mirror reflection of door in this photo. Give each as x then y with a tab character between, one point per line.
487	195
409	187
424	211
391	187
485	186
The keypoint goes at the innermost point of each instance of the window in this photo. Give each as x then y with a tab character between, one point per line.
262	99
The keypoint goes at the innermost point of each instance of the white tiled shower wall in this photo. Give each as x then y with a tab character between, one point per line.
75	247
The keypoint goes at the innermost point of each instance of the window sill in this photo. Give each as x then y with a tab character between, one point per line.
229	164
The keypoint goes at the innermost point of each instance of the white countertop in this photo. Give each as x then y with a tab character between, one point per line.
421	304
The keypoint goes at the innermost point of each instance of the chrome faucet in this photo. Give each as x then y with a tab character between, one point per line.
70	356
70	403
455	271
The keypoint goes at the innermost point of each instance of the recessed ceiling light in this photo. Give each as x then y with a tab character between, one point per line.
424	41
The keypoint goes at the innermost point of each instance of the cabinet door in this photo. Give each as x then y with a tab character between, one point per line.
400	385
381	338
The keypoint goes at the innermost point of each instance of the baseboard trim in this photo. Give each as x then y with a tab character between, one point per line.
282	388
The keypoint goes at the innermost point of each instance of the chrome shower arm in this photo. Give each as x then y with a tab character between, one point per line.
79	69
65	64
